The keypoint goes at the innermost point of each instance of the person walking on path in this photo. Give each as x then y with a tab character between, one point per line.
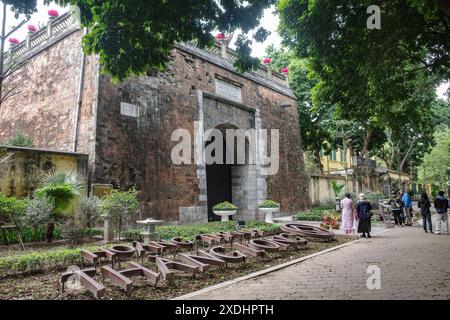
396	208
441	206
424	205
363	208
407	204
348	221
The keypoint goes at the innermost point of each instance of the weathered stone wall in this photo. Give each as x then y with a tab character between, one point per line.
47	87
22	169
136	150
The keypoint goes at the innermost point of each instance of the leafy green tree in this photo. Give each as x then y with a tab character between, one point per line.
11	209
132	36
38	212
88	211
373	77
337	188
120	206
61	187
435	168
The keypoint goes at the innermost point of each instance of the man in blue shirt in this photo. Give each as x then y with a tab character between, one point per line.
407	202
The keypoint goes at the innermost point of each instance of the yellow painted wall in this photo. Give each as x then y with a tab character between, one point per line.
22	173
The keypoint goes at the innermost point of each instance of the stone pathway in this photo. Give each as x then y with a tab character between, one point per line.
413	265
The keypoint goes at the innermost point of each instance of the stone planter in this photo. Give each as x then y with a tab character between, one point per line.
269	213
224	214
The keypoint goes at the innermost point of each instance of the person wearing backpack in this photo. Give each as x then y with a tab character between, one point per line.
396	208
424	205
441	206
407	203
363	208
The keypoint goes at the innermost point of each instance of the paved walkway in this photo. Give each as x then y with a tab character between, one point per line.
413	265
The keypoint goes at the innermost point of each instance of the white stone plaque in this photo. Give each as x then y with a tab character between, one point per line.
129	110
228	91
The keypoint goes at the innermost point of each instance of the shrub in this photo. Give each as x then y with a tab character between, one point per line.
30	235
38	212
72	232
88	211
11	209
313	215
269	204
62	187
326	204
120	205
225	206
20	140
337	188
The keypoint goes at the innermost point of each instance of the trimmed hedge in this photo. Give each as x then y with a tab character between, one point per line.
312	215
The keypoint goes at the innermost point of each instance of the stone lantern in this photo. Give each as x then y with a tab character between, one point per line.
149	233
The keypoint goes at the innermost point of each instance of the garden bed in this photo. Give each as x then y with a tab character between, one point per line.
46	286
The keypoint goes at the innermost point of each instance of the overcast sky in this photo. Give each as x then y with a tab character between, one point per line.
269	21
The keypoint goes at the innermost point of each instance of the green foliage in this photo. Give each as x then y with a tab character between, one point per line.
188	232
225	206
29	235
119	206
324	205
436	165
40	260
88	210
11	209
20	140
269	204
337	188
72	232
133	36
39	211
312	215
62	187
27	7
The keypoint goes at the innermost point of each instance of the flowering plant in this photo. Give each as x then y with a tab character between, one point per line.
225	206
53	13
267	60
284	70
32	28
330	219
13	40
220	36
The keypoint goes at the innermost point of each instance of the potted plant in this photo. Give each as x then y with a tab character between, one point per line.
269	207
330	221
224	209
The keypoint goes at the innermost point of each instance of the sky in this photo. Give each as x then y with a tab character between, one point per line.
269	21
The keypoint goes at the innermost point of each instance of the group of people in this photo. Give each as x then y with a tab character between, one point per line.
358	216
401	204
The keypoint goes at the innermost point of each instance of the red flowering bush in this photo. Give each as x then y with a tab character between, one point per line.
32	28
267	60
284	70
220	36
53	13
13	40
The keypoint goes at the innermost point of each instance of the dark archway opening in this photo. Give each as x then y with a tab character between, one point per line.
218	182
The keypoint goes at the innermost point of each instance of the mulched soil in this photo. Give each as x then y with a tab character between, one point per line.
46	286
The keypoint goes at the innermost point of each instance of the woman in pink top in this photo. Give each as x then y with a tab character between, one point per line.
348	223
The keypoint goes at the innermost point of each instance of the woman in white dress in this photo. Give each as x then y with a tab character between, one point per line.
348	218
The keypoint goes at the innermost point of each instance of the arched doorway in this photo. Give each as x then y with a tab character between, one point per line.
218	180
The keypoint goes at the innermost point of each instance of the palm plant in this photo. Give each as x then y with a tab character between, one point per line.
337	188
61	187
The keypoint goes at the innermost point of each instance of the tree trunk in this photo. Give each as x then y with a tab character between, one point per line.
367	140
317	160
49	232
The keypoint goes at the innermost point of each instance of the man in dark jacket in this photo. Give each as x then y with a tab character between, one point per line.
441	206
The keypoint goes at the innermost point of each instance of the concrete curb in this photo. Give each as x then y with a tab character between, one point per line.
268	270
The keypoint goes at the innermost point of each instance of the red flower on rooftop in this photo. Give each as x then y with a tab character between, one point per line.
53	13
13	40
32	28
284	70
267	60
220	36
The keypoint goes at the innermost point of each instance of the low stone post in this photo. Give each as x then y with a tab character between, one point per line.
28	41
50	26
107	231
223	47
